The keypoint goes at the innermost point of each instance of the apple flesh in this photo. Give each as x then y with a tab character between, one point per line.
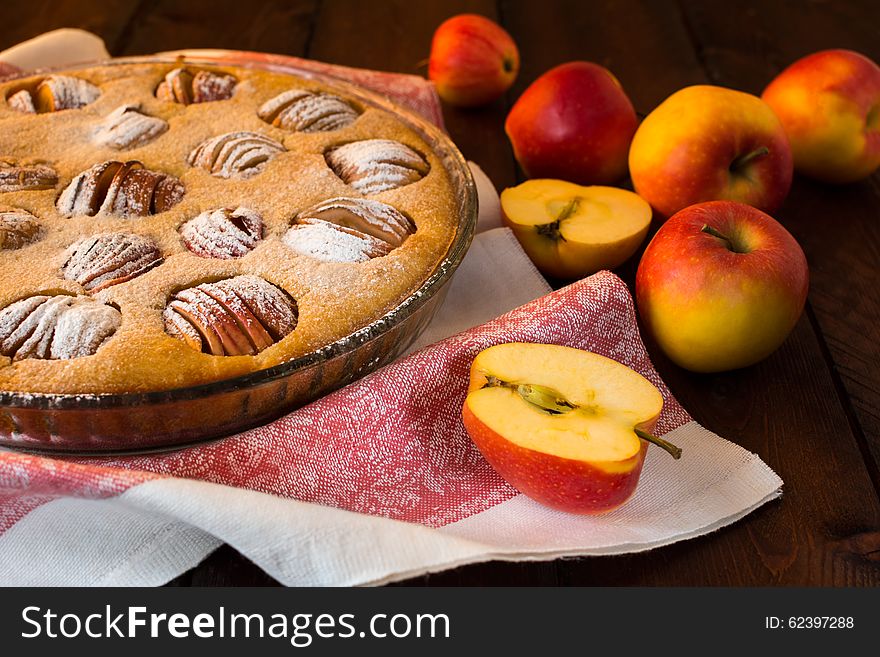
570	231
564	426
707	143
473	60
829	105
575	123
720	286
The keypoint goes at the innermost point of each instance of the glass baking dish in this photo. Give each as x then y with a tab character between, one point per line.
97	423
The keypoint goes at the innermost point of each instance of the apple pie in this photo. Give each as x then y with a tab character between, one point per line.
165	225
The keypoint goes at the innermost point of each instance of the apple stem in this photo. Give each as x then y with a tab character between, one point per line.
714	232
665	444
743	160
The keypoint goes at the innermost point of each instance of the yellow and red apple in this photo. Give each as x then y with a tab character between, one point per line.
473	60
570	231
575	123
829	105
721	285
707	143
564	426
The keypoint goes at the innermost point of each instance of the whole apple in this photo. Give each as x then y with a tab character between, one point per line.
721	285
707	143
829	105
574	123
473	60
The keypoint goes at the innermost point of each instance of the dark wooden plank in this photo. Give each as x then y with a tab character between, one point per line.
278	26
394	35
748	49
609	32
24	19
835	224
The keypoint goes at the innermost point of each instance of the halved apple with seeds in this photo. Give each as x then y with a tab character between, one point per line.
567	427
571	231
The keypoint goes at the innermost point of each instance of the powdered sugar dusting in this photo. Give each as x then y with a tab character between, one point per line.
367	216
303	111
126	127
235	154
328	242
208	87
55	93
185	87
107	259
15	177
224	233
375	165
82	328
233	317
76	198
56	327
169	192
17	228
122	189
66	92
275	308
22	101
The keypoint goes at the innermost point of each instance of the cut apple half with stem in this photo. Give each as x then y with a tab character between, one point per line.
571	231
567	427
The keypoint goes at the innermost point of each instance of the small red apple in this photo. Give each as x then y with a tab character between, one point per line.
473	60
721	285
574	123
707	143
829	105
564	426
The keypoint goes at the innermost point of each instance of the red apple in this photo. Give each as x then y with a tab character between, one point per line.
573	123
473	60
721	285
707	143
564	426
829	105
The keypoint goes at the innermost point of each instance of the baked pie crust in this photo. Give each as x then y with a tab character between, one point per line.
158	217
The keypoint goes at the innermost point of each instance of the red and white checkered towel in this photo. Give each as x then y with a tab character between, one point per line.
377	481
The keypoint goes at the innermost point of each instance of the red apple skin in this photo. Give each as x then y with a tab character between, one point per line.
711	309
473	60
683	151
829	105
574	123
559	483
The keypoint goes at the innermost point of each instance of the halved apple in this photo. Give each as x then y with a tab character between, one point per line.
567	427
571	231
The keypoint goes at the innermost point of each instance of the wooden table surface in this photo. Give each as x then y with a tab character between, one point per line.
811	411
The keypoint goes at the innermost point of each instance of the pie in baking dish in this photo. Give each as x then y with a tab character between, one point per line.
166	225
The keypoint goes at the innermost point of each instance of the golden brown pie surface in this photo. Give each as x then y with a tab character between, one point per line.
166	225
